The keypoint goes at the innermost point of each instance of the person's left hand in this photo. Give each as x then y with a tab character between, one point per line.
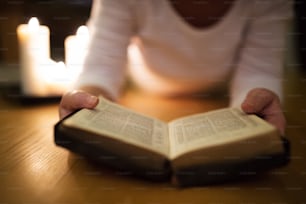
265	104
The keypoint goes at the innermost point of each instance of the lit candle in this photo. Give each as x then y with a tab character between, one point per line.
76	49
34	50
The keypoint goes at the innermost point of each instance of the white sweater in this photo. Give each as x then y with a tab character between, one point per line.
169	56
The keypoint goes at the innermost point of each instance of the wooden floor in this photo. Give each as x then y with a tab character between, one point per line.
33	170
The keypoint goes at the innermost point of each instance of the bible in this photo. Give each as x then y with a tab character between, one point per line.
199	149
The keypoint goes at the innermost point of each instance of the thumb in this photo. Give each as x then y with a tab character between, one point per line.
266	105
258	99
74	100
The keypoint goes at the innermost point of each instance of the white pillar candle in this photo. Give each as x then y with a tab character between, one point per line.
75	50
34	50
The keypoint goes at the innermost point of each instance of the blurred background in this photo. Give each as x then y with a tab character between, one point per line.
63	17
300	30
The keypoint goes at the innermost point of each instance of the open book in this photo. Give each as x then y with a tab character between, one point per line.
198	149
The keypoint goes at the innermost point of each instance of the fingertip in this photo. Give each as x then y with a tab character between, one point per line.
78	99
92	100
247	107
256	100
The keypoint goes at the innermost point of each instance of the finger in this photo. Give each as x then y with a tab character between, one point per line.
76	100
265	104
257	99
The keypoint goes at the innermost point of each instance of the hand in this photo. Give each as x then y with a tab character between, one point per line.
75	100
265	104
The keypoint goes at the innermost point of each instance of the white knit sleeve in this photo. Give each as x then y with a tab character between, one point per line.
111	27
261	57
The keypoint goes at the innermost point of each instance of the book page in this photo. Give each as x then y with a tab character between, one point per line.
115	121
212	128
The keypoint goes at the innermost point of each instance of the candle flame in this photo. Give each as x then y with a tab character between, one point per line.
82	31
33	23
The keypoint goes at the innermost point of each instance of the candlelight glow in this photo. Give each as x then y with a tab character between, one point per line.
61	64
53	72
55	77
40	75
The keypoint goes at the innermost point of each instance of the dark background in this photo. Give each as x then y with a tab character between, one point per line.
300	28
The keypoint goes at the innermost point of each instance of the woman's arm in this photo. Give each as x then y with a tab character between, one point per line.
257	82
111	26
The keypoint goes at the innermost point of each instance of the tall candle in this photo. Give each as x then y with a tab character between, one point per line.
75	50
34	51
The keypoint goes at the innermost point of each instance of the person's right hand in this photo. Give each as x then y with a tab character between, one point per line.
74	100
